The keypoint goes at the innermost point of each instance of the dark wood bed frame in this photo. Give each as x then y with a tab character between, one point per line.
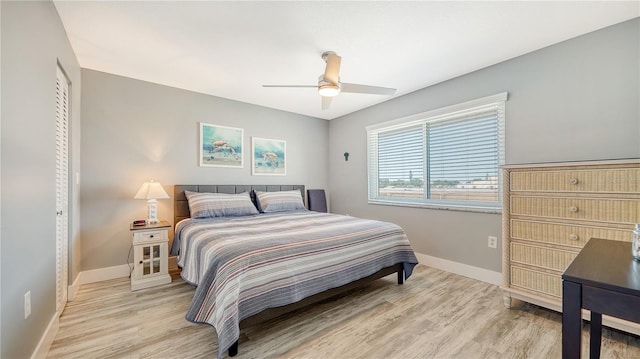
181	211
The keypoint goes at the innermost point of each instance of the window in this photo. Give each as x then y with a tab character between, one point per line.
447	158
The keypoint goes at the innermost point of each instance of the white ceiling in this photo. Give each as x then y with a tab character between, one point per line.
230	49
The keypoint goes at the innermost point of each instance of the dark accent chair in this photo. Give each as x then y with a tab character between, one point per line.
317	200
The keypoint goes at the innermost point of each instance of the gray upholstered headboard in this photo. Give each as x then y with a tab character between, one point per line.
181	206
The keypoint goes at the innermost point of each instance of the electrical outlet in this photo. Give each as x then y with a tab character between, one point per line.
493	242
27	304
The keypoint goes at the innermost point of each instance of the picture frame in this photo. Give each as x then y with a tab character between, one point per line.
269	157
221	146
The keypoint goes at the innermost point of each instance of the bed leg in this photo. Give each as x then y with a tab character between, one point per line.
401	276
233	349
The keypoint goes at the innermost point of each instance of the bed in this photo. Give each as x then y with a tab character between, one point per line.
251	266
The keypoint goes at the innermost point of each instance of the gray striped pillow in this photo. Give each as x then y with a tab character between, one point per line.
279	201
205	205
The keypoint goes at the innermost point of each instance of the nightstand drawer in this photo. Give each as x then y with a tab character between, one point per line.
150	236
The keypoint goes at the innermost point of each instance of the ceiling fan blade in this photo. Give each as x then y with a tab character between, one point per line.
332	71
326	102
373	90
314	86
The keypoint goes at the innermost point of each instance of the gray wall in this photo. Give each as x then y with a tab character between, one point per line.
577	100
33	40
133	131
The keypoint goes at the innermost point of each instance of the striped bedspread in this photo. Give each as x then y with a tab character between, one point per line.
243	265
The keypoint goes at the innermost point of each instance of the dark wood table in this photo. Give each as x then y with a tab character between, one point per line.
604	279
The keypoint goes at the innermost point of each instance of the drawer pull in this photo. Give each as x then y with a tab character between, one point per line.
573	209
573	237
573	181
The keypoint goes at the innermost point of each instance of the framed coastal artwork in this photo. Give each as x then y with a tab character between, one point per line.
269	156
221	146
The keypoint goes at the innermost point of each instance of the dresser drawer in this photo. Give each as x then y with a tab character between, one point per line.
564	234
150	236
550	284
542	257
598	210
602	180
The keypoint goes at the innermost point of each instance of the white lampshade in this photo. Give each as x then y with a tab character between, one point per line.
151	191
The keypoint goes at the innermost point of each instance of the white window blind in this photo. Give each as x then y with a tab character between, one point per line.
450	157
401	156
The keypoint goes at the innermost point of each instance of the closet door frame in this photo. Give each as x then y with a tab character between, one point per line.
62	188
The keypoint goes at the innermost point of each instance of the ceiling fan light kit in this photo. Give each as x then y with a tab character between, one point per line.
329	84
329	90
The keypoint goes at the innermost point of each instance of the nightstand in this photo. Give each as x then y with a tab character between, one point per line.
150	255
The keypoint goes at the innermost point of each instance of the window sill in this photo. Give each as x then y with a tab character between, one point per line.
440	206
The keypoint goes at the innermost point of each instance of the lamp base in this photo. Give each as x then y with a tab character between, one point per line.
152	209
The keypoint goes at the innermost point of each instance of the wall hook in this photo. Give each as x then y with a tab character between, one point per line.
346	156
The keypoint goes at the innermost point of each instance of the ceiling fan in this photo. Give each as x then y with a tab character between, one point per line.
329	84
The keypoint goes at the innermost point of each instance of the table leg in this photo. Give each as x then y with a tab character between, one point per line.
596	335
571	319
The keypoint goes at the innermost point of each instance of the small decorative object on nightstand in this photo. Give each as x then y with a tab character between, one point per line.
150	255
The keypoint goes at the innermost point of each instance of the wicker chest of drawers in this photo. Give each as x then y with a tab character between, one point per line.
551	210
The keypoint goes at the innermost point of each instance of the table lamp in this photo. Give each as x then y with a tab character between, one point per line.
152	191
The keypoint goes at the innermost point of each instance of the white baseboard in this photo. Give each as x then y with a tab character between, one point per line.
47	338
462	269
100	274
73	289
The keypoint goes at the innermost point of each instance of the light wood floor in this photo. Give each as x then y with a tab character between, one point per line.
435	314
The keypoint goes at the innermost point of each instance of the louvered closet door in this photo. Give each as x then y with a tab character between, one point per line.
62	190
